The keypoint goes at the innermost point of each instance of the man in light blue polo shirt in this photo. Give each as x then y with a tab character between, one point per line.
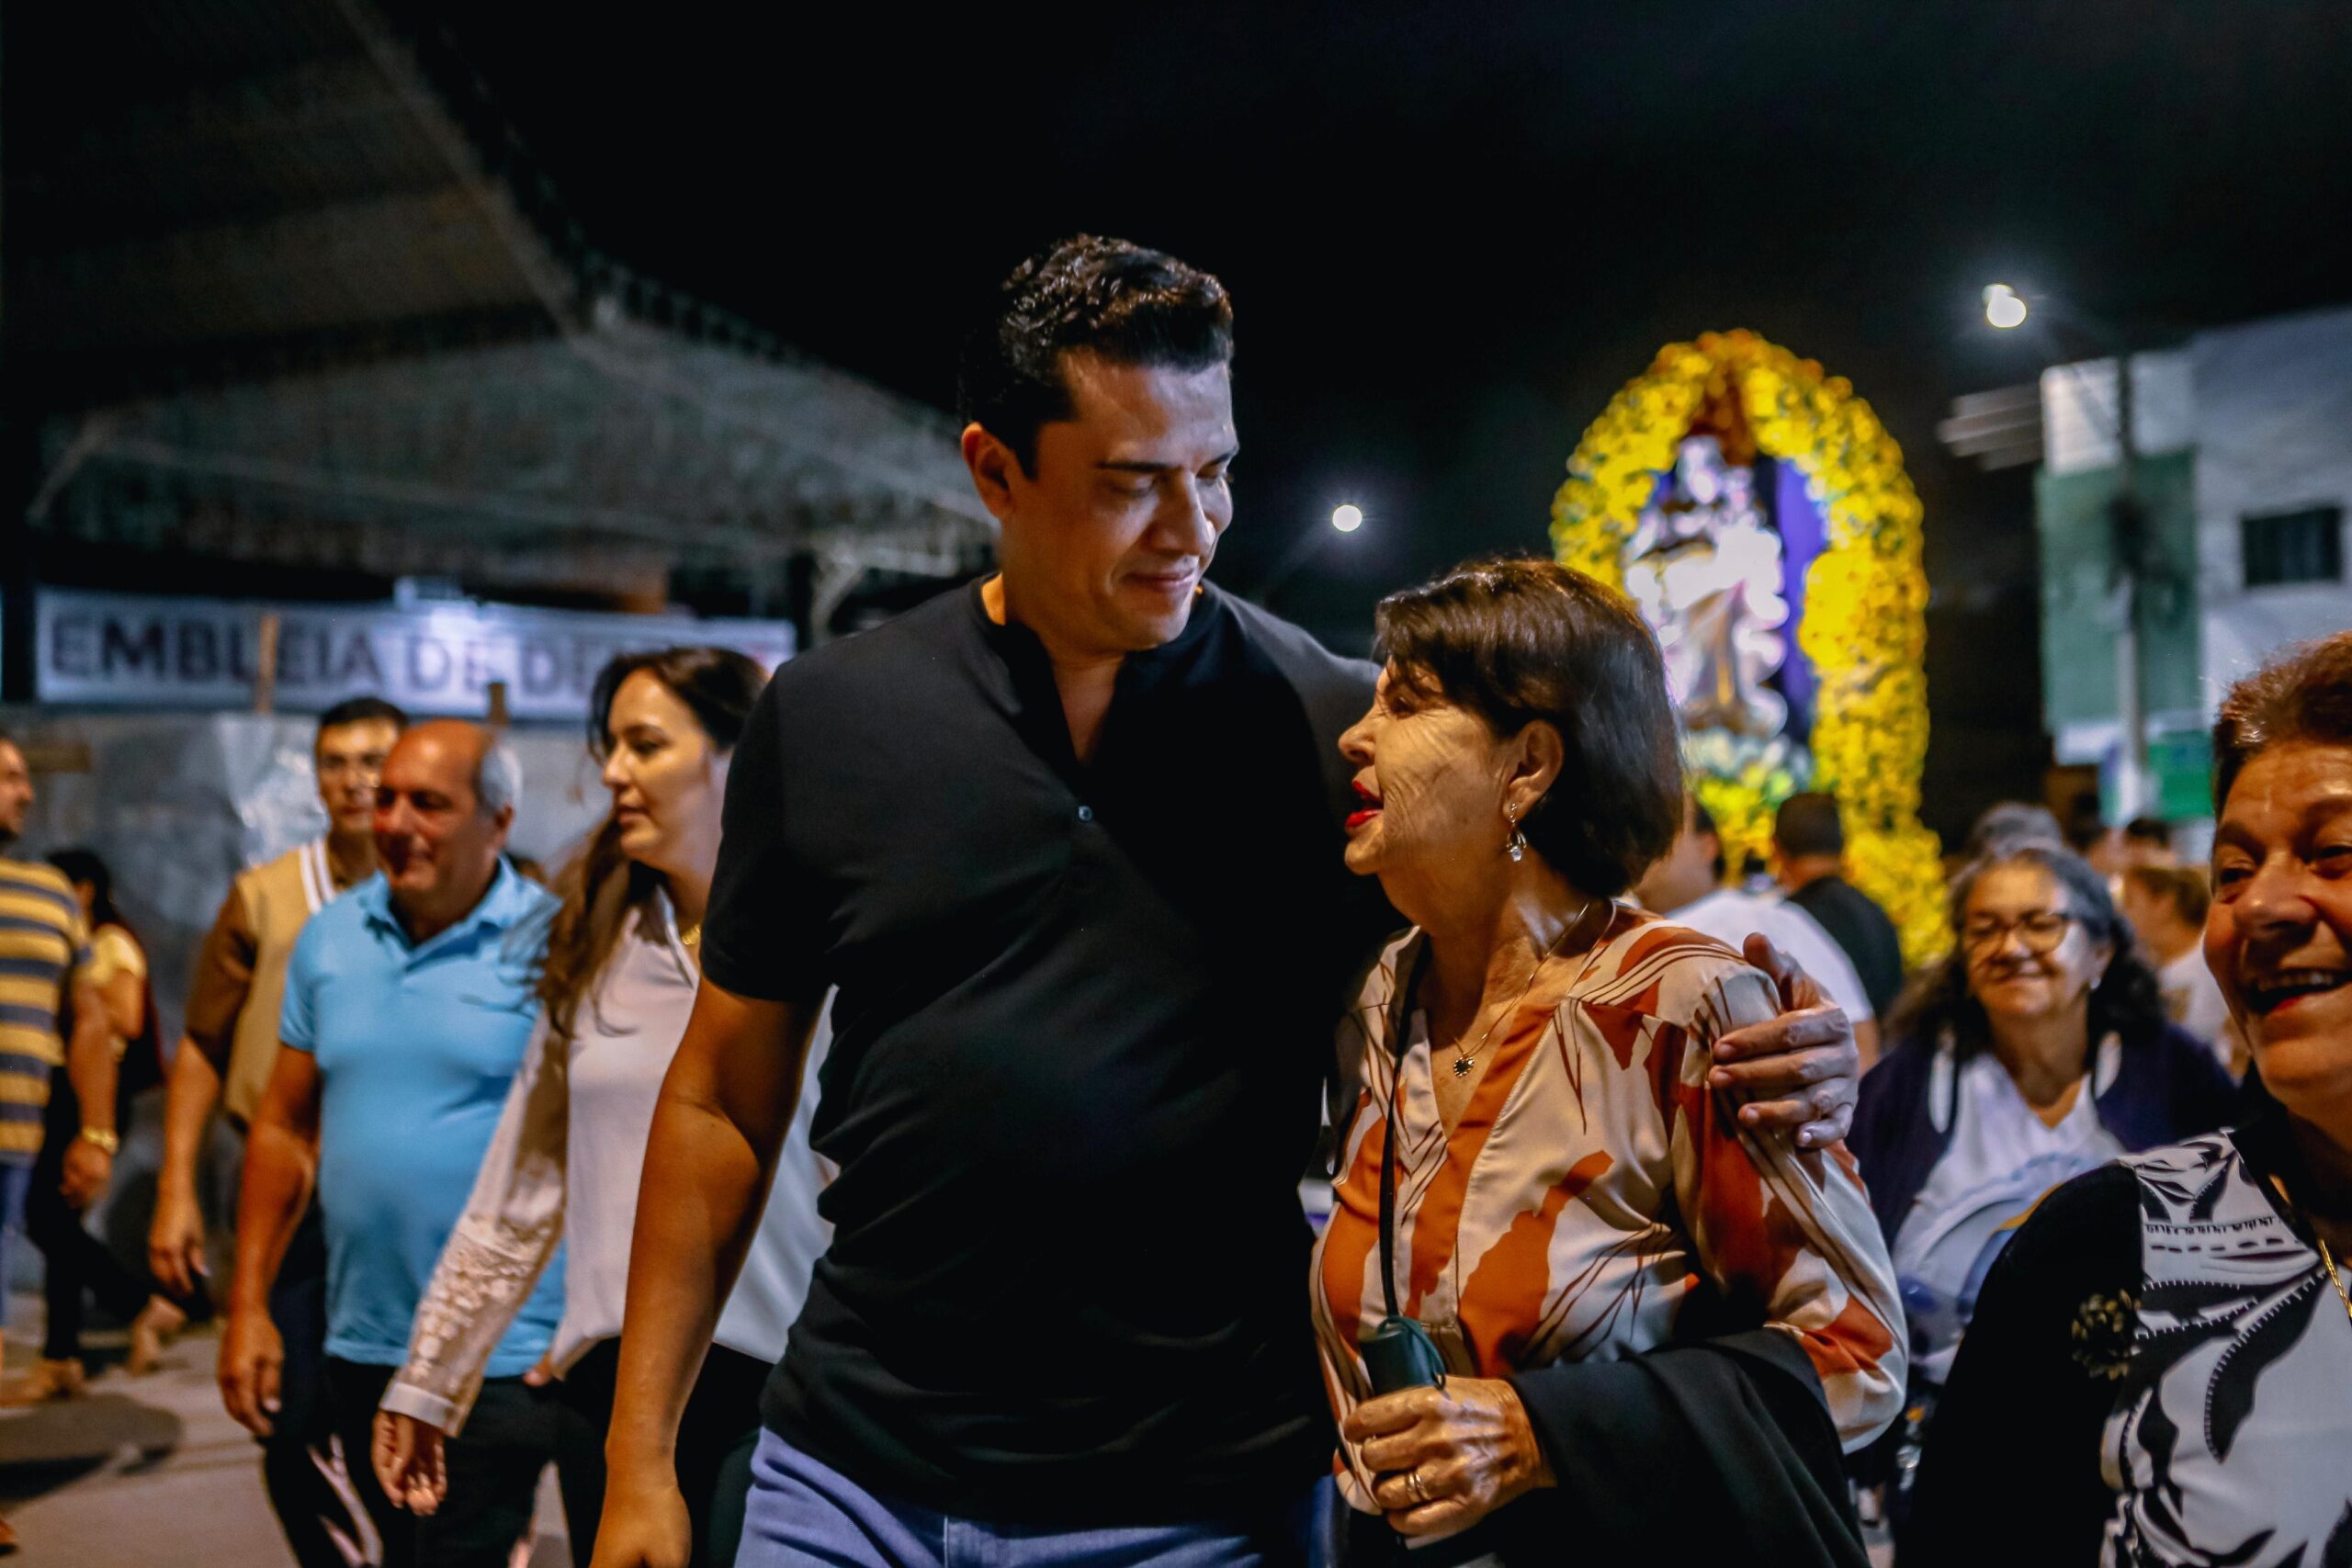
408	1003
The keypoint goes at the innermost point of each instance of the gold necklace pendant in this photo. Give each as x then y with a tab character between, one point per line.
2327	1262
1466	1062
2326	1257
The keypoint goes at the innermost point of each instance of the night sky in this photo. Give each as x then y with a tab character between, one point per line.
1452	231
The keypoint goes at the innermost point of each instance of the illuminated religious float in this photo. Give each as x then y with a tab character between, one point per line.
1758	514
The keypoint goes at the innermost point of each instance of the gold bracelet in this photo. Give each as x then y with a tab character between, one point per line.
105	1137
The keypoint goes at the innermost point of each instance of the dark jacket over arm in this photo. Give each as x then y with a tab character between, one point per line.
1729	1437
2011	1472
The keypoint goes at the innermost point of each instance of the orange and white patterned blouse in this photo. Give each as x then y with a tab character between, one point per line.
1592	1183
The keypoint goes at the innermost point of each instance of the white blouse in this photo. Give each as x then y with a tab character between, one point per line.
565	1165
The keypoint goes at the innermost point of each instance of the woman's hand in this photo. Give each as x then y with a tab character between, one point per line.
409	1464
1801	1071
1448	1457
175	1240
87	1171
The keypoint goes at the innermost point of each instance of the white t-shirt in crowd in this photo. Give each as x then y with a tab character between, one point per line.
2000	1161
2193	1000
1731	917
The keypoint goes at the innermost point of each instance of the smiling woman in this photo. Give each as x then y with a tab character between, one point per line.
1538	1184
2038	1050
2179	1323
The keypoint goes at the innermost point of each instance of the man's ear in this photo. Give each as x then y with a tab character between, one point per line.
993	466
1541	754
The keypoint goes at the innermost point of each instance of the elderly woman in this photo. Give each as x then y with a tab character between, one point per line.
2038	1050
2179	1323
1540	1172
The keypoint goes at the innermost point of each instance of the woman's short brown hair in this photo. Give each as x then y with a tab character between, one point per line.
1519	641
2305	694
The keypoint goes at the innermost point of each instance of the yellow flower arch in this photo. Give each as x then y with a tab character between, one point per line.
1866	595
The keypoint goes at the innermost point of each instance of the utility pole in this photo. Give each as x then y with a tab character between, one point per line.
2128	548
2133	556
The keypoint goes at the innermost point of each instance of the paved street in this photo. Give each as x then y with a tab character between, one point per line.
148	1473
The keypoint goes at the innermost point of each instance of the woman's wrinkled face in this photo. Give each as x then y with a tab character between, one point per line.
668	782
2027	952
2279	936
1429	785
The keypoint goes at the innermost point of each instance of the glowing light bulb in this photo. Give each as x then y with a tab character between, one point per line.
1346	519
2003	307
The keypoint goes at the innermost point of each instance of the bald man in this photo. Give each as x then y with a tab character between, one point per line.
408	1004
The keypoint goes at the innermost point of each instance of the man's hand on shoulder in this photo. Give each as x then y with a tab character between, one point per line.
1801	1071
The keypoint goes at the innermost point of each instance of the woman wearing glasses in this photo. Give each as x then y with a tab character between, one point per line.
2038	1050
2176	1329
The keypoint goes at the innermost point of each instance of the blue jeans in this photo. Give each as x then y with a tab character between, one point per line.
16	1180
804	1513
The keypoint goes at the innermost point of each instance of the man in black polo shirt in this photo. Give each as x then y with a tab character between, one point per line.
1810	840
1068	843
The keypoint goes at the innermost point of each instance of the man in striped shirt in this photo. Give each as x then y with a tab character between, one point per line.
44	955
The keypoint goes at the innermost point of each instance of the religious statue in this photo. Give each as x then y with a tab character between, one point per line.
1704	566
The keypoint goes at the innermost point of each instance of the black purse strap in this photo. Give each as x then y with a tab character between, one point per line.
1399	1016
1388	1210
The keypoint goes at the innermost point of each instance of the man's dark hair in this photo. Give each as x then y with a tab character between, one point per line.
1808	824
1519	641
2149	831
2304	695
1702	825
1128	304
360	710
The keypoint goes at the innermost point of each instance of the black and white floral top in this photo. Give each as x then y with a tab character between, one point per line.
2159	1372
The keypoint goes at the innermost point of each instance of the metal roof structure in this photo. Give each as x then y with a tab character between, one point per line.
292	291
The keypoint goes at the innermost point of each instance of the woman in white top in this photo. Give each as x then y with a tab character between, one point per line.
621	971
2038	1050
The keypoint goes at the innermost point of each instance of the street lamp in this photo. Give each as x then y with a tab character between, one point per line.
1346	518
2132	548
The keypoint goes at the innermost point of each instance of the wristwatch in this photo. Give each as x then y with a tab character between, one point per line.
105	1137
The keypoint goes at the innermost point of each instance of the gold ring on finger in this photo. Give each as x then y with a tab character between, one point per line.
1417	1486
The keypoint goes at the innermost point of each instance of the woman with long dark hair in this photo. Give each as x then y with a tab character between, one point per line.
2038	1050
623	962
77	1265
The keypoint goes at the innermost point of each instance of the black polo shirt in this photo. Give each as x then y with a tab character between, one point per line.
1084	1015
1856	924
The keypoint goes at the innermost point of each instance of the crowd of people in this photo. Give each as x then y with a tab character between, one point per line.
881	1143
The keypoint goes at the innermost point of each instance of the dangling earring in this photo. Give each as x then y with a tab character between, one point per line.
1516	846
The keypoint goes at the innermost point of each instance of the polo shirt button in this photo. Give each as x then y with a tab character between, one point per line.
1086	814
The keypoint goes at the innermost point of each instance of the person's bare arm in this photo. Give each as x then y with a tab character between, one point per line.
721	1121
175	1236
125	999
218	993
281	1161
90	1066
